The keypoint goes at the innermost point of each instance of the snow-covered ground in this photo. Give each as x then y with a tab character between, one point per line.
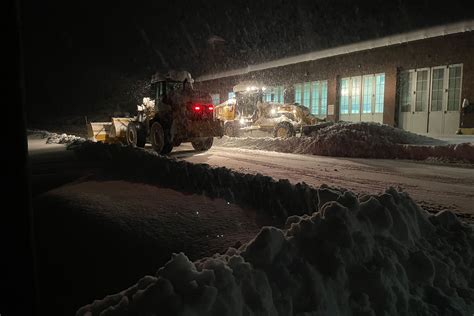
434	186
349	254
376	255
111	232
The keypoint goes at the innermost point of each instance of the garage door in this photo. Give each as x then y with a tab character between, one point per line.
430	100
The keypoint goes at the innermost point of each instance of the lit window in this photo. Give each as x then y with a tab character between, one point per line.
367	93
324	98
315	98
215	99
298	92
355	95
307	94
231	95
279	94
379	92
344	108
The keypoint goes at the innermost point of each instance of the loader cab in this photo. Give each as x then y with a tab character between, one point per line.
164	88
247	102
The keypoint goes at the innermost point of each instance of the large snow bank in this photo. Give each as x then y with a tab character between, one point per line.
54	138
276	199
364	140
372	255
341	254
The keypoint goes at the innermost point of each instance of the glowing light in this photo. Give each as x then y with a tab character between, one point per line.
210	108
264	88
242	121
273	111
197	108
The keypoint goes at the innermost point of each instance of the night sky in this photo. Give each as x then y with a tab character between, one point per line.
83	56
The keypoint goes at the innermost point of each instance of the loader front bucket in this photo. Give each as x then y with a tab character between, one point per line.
99	131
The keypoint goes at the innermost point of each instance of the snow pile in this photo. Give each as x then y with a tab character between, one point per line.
247	190
363	140
372	255
54	138
372	132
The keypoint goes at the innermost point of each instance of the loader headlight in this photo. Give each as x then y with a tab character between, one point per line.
273	111
242	121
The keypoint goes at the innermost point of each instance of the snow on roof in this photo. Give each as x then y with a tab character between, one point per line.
442	30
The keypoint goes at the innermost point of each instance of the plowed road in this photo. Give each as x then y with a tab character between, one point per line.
435	187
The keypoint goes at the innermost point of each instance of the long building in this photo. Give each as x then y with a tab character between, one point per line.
417	81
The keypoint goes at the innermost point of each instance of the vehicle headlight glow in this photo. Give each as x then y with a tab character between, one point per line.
273	111
242	121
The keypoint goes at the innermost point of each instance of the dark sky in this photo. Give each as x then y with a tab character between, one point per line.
86	51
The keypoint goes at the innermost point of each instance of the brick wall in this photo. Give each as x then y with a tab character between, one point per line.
452	49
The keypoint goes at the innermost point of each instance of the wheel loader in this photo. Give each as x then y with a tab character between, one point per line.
247	113
174	113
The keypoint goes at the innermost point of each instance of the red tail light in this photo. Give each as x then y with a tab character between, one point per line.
196	108
210	108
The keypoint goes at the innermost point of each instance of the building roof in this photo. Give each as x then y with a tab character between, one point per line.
436	31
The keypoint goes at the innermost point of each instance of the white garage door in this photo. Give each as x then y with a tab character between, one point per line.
430	100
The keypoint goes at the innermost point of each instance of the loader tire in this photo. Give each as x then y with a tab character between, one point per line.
284	130
136	135
203	144
167	148
231	130
157	137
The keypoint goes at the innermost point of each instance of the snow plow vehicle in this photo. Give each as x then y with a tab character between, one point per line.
248	112
174	113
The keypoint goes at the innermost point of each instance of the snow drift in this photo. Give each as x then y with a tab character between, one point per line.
362	140
337	254
54	138
373	255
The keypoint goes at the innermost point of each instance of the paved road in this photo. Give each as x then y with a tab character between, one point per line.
435	187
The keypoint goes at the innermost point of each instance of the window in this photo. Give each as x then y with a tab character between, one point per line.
319	97
379	92
267	96
437	90
273	94
324	98
231	95
355	95
421	101
215	98
367	93
298	88
362	94
405	91
454	88
315	98
344	108
307	94
313	95
278	96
